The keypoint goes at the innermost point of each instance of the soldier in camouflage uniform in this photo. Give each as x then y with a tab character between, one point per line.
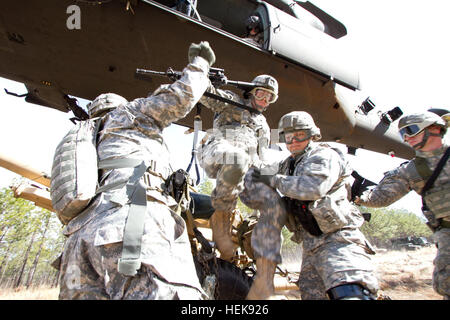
91	263
424	132
336	259
254	31
235	143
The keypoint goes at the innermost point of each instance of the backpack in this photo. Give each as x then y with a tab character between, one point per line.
74	177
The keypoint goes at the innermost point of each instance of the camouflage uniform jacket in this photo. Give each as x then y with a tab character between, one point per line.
134	131
257	39
321	175
398	182
240	127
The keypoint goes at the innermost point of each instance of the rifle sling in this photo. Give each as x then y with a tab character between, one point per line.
433	223
237	104
436	172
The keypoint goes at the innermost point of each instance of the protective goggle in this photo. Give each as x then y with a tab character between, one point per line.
263	93
410	131
289	137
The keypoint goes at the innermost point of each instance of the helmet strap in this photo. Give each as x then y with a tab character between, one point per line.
427	134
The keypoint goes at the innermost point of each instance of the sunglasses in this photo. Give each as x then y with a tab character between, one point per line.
410	131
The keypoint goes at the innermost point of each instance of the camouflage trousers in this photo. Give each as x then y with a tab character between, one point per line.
226	161
90	258
339	260
441	272
266	238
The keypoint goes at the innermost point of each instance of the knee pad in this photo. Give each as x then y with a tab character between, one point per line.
351	291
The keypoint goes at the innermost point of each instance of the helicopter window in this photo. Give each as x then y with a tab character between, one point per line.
255	30
237	17
188	7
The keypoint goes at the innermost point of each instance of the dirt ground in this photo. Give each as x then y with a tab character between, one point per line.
403	275
406	274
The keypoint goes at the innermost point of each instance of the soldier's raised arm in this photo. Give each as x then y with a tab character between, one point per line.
171	102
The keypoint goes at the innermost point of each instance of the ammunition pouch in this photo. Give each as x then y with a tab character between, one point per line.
302	215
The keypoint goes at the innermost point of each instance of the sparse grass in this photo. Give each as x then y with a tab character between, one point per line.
42	293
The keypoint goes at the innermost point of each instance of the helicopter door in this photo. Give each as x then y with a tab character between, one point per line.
301	43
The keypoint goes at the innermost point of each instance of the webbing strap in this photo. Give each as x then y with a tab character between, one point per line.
436	172
117	164
130	262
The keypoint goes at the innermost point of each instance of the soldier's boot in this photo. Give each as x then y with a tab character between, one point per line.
220	223
262	287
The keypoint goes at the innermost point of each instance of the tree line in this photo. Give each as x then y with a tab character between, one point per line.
30	240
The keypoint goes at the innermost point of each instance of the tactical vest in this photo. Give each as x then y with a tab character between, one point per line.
436	198
326	215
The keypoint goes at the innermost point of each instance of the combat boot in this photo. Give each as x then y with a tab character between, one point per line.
262	287
220	223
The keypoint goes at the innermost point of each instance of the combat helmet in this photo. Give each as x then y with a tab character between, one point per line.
267	83
443	113
253	22
105	103
298	120
415	123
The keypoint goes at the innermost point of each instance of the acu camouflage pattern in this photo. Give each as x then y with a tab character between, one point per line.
341	254
94	243
398	182
266	237
236	142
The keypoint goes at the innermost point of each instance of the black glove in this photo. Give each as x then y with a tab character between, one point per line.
203	50
263	178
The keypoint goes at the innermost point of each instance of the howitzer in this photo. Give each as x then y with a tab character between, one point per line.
215	75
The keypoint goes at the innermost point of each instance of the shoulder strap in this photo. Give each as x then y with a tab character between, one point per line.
130	261
436	172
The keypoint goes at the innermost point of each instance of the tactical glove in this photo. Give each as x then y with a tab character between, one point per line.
258	177
203	50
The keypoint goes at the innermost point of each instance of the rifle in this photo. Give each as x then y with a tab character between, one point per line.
360	185
215	75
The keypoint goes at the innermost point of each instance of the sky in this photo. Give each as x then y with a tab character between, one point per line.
401	49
